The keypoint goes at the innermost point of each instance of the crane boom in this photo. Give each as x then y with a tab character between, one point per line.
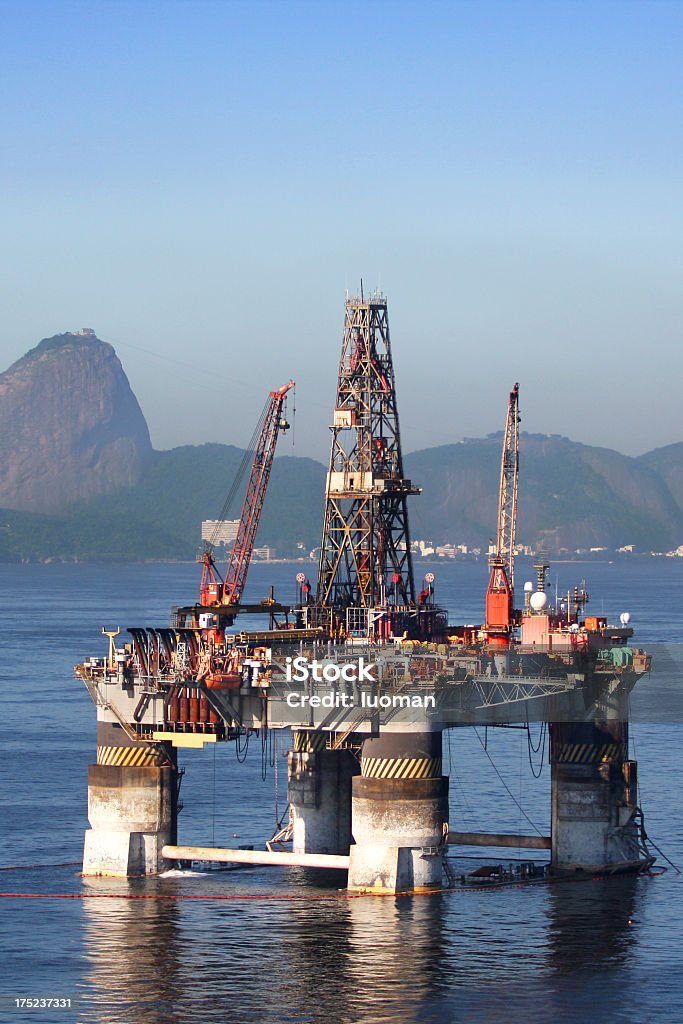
230	591
501	588
507	500
257	485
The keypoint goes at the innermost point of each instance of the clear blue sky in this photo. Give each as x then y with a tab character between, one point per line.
200	182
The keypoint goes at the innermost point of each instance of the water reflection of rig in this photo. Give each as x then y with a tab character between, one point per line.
368	673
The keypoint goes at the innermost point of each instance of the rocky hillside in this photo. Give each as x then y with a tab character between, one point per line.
80	480
570	495
71	427
667	463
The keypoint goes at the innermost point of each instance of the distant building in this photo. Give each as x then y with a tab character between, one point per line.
220	531
422	547
524	549
266	553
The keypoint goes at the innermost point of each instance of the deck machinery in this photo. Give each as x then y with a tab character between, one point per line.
368	674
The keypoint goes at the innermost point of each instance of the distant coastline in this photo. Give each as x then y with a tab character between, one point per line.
431	562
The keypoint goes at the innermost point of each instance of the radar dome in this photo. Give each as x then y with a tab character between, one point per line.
538	600
528	587
625	618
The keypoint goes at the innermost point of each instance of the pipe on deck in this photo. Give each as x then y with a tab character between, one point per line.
225	856
499	839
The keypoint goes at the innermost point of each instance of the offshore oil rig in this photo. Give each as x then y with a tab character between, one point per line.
368	673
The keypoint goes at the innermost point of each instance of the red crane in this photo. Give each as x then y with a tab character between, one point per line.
501	589
213	590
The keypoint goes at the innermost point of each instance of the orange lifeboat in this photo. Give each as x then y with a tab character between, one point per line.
224	673
223	680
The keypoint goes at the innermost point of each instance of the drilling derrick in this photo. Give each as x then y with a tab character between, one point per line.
501	588
365	561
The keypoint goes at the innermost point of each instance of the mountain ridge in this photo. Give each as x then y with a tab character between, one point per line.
127	500
72	428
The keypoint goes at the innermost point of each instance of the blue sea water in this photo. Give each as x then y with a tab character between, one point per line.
292	946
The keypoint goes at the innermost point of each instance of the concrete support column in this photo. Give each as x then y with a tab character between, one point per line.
594	799
399	814
132	806
320	794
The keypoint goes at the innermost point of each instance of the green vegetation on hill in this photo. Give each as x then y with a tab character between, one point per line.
571	496
667	463
160	517
89	461
81	536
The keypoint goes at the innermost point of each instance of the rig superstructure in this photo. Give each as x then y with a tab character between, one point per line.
368	673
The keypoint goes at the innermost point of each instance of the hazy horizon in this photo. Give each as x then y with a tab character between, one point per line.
201	183
285	448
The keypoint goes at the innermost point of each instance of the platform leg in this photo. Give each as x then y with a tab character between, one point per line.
319	784
399	814
594	800
132	809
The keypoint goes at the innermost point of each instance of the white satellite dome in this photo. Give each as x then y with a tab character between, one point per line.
625	618
539	600
528	587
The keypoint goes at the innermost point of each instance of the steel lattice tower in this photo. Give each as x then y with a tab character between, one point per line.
365	559
500	595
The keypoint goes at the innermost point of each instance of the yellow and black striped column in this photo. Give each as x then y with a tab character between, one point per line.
115	747
319	789
308	740
594	798
390	758
399	813
132	805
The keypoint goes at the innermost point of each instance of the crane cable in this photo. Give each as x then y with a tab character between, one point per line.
643	833
241	470
505	785
539	747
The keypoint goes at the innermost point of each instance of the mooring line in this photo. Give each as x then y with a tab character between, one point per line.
33	867
169	897
284	897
